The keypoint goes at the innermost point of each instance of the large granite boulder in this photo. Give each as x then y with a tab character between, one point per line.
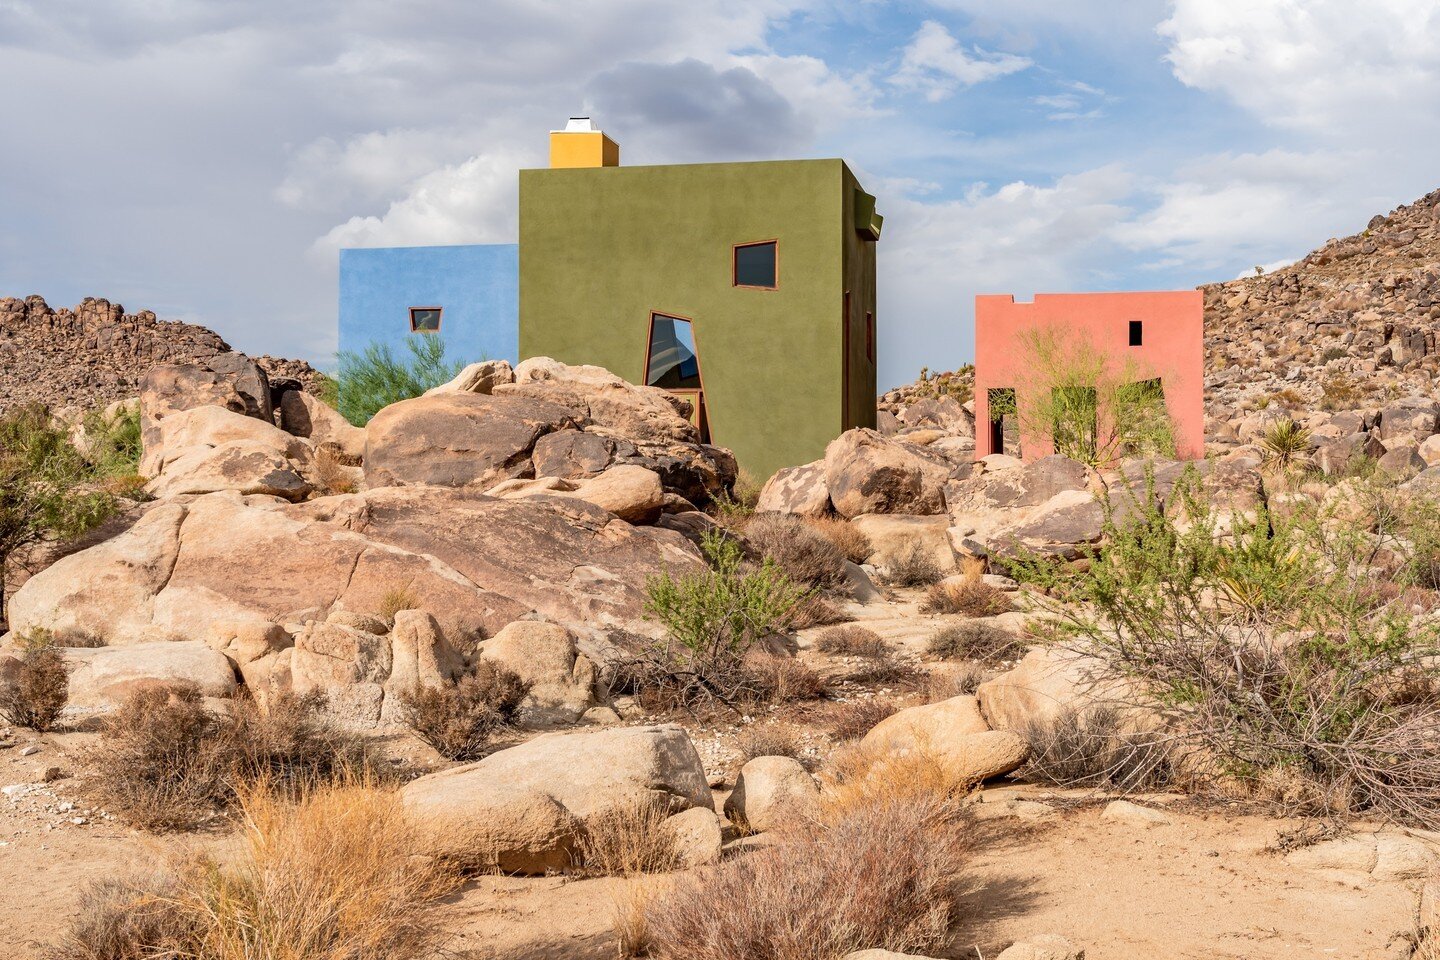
561	679
305	415
209	448
457	439
868	473
103	677
522	810
229	380
616	406
799	490
476	562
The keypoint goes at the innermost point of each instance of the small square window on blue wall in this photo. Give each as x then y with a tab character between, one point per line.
469	295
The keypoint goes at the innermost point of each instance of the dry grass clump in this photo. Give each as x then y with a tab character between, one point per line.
333	874
813	610
35	693
886	876
395	600
914	566
804	555
852	640
627	840
960	679
853	720
781	679
769	740
333	470
1095	748
849	539
969	595
168	763
459	719
974	640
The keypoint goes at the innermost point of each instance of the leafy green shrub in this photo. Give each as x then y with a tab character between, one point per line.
112	441
1267	643
36	694
375	377
460	719
48	490
712	620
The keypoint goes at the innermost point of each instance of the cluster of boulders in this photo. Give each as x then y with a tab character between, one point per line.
101	353
512	515
1351	328
906	496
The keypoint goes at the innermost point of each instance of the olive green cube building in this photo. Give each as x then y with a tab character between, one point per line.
748	288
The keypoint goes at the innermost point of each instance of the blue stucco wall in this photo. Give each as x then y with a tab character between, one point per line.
478	285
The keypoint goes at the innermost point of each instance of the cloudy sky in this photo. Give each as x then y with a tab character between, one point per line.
206	159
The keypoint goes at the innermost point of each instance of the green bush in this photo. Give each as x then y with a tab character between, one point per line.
375	377
113	444
712	620
1268	645
48	489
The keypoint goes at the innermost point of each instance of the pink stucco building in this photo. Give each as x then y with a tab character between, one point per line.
1148	336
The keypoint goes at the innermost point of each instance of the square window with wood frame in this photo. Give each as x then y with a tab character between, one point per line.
757	265
425	319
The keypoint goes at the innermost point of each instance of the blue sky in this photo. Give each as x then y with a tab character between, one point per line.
206	159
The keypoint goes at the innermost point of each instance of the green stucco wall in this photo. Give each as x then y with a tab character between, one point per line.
603	248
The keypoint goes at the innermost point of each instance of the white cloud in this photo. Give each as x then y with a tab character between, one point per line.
935	64
470	202
1316	64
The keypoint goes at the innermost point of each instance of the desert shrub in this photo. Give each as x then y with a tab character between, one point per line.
961	679
331	469
37	692
851	721
395	600
814	610
1333	353
712	621
1095	748
168	763
48	489
852	640
113	446
1339	392
737	505
886	876
974	640
334	873
375	377
968	595
460	719
629	839
782	679
768	740
806	556
1264	639
849	539
1283	444
913	566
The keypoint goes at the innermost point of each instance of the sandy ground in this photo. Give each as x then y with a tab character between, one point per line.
1204	885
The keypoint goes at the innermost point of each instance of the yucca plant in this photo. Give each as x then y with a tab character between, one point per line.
1284	443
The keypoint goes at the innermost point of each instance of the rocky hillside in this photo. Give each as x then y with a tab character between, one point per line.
97	353
1352	326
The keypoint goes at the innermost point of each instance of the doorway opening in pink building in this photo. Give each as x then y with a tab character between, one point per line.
1004	421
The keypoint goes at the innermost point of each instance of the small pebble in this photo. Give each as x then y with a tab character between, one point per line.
30	751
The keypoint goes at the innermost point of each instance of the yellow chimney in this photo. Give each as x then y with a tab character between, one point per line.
582	144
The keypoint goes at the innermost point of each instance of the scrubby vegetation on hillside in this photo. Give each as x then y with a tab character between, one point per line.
375	377
1272	643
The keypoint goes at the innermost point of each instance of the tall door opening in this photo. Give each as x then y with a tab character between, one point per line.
1004	423
673	363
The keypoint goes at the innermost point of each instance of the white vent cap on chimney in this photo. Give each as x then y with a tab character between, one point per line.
581	125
